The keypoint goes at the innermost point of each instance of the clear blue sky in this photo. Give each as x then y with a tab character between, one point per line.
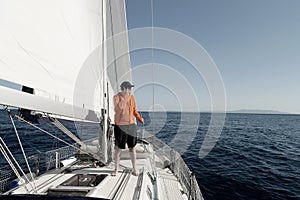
255	45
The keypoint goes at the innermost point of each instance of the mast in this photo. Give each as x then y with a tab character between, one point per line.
102	137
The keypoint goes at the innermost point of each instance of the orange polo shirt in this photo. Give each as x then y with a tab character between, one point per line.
125	110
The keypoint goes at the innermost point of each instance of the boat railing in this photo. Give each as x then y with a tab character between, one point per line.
178	166
39	163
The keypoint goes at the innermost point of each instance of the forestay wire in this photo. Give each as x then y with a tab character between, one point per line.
153	92
152	66
152	61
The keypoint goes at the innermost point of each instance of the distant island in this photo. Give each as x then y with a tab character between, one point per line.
258	111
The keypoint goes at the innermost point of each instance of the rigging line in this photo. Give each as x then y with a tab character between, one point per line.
61	127
108	104
152	61
55	142
51	134
13	167
11	163
29	144
25	158
142	136
153	97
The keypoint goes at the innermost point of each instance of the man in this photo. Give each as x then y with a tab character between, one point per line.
125	127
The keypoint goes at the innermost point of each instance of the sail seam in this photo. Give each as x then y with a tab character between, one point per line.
30	55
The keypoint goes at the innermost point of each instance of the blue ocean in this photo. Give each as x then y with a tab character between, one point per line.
257	156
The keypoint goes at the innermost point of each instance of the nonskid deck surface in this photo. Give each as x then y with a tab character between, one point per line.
83	180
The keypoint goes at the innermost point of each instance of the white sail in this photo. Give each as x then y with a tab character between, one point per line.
47	45
118	57
117	63
73	54
56	47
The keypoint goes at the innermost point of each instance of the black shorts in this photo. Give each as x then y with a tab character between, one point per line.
125	134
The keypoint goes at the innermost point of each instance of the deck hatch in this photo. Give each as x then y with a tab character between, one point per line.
85	180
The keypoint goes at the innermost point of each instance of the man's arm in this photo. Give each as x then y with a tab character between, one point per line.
135	112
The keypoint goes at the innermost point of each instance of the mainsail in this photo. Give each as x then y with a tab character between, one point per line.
73	54
59	48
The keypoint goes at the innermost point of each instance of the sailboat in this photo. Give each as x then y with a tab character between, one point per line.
64	60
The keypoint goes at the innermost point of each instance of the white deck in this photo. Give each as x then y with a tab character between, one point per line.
123	186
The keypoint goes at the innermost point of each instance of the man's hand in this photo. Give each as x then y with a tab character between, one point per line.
142	121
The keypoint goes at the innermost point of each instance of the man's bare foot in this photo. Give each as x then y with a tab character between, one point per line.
136	172
114	173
